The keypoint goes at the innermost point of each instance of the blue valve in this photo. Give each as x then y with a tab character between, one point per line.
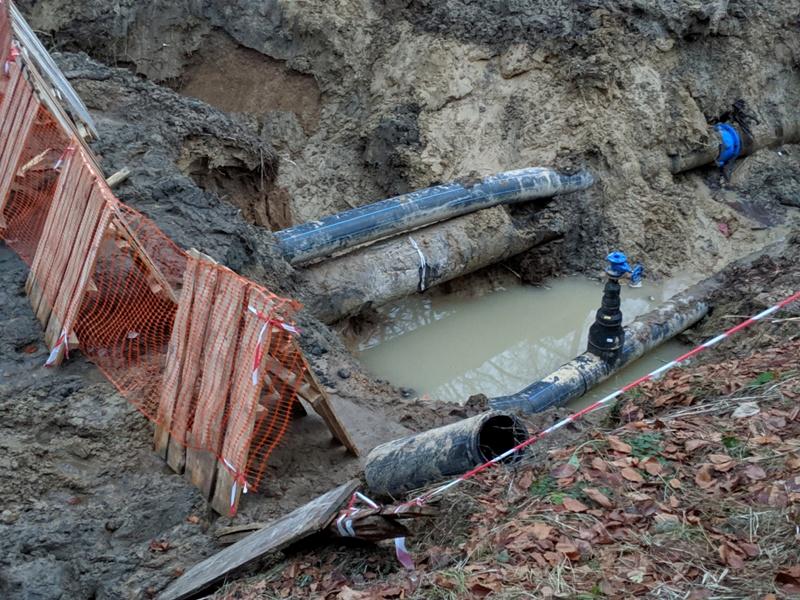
618	268
730	144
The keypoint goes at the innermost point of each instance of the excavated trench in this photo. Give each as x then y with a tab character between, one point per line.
241	118
490	335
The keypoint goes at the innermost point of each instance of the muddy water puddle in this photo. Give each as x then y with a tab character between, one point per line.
497	336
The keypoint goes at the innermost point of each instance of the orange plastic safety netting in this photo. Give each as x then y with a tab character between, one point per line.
209	356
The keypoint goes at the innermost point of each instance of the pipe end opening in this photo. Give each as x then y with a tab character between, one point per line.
499	434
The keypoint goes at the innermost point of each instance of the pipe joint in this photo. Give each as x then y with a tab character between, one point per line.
730	144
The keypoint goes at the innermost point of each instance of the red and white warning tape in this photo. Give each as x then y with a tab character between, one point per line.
12	58
427	497
62	341
268	322
238	479
344	525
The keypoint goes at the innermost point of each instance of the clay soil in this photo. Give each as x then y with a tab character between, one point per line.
238	118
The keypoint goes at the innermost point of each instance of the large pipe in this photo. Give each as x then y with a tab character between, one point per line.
578	376
402	465
400	266
315	239
707	151
573	379
389	270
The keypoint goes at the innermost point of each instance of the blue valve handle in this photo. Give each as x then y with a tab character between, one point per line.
618	268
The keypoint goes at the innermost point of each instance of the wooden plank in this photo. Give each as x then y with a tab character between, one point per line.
174	361
223	333
295	526
62	237
311	391
40	266
205	287
23	108
9	107
71	292
118	177
142	254
12	155
242	406
62	252
324	408
85	281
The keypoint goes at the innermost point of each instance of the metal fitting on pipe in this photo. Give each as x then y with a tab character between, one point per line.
368	223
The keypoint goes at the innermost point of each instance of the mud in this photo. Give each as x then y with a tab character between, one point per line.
348	102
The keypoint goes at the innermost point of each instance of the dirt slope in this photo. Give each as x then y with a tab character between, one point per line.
371	98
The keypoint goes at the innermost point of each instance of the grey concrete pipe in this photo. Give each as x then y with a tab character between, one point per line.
399	466
400	266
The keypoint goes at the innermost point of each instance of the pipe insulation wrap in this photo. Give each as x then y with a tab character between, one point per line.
402	465
573	379
402	213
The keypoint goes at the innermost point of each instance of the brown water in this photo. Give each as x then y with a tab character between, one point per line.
496	339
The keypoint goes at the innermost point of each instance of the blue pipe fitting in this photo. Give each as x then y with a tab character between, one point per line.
730	145
617	265
618	268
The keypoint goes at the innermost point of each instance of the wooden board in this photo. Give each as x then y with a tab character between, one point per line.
54	248
206	436
242	408
205	287
61	251
17	135
91	234
174	361
40	267
313	393
295	526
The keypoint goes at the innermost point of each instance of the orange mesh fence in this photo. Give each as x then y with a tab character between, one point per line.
207	355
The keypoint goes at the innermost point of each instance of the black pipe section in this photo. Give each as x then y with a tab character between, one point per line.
368	223
606	335
399	466
573	379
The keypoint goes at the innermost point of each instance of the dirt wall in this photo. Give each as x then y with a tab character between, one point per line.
413	92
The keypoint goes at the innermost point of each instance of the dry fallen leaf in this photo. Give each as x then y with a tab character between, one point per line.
675	484
755	472
618	445
652	466
541	531
573	505
569	549
632	474
703	477
159	546
563	471
598	497
692	445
